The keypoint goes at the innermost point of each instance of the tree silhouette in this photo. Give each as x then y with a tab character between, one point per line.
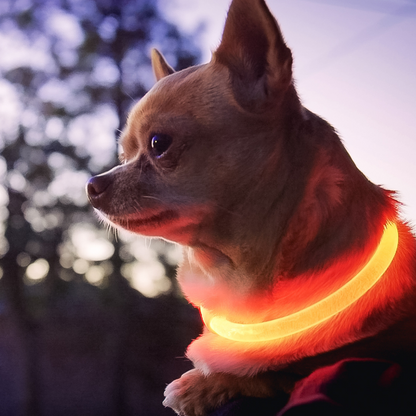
70	71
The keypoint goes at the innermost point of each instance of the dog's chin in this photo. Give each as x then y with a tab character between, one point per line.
151	225
166	224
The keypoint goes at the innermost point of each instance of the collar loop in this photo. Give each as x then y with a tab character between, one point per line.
319	312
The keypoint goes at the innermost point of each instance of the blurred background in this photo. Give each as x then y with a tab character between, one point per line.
92	323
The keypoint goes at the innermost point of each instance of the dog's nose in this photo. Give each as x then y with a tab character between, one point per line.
96	187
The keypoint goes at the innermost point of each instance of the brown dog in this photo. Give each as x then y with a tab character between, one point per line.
274	218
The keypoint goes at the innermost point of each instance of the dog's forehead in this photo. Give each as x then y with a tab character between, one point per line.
175	89
164	97
190	91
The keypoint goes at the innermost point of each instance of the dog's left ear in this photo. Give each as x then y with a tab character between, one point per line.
253	49
160	67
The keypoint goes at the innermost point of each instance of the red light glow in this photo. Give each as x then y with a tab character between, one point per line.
320	311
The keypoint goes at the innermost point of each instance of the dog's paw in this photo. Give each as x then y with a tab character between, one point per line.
194	393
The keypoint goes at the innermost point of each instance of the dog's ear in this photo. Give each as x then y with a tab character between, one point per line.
160	67
253	49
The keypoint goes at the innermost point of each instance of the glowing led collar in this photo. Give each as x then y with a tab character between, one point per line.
336	302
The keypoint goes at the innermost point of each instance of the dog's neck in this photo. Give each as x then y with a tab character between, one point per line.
209	278
365	318
329	237
317	313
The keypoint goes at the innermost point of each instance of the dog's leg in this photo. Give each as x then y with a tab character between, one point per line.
194	394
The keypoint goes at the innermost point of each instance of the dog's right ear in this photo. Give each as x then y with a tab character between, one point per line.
253	49
160	67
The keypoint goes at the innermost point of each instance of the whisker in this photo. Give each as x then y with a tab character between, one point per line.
110	229
151	197
216	205
137	207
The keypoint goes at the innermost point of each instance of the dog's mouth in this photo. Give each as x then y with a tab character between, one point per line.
177	225
145	224
168	224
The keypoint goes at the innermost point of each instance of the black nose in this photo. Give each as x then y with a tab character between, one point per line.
96	188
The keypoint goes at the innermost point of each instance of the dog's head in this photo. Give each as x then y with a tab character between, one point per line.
196	146
223	157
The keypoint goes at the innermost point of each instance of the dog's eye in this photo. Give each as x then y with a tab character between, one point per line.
160	144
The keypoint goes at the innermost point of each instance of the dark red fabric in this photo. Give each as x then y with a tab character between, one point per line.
352	387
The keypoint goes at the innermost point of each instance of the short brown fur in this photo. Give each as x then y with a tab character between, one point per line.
270	209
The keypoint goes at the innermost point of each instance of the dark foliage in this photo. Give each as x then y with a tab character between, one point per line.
76	337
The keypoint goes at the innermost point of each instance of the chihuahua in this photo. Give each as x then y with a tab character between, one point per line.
273	216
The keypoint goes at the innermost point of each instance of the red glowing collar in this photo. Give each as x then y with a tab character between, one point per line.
319	312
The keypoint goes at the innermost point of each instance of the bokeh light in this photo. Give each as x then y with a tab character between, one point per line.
37	270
